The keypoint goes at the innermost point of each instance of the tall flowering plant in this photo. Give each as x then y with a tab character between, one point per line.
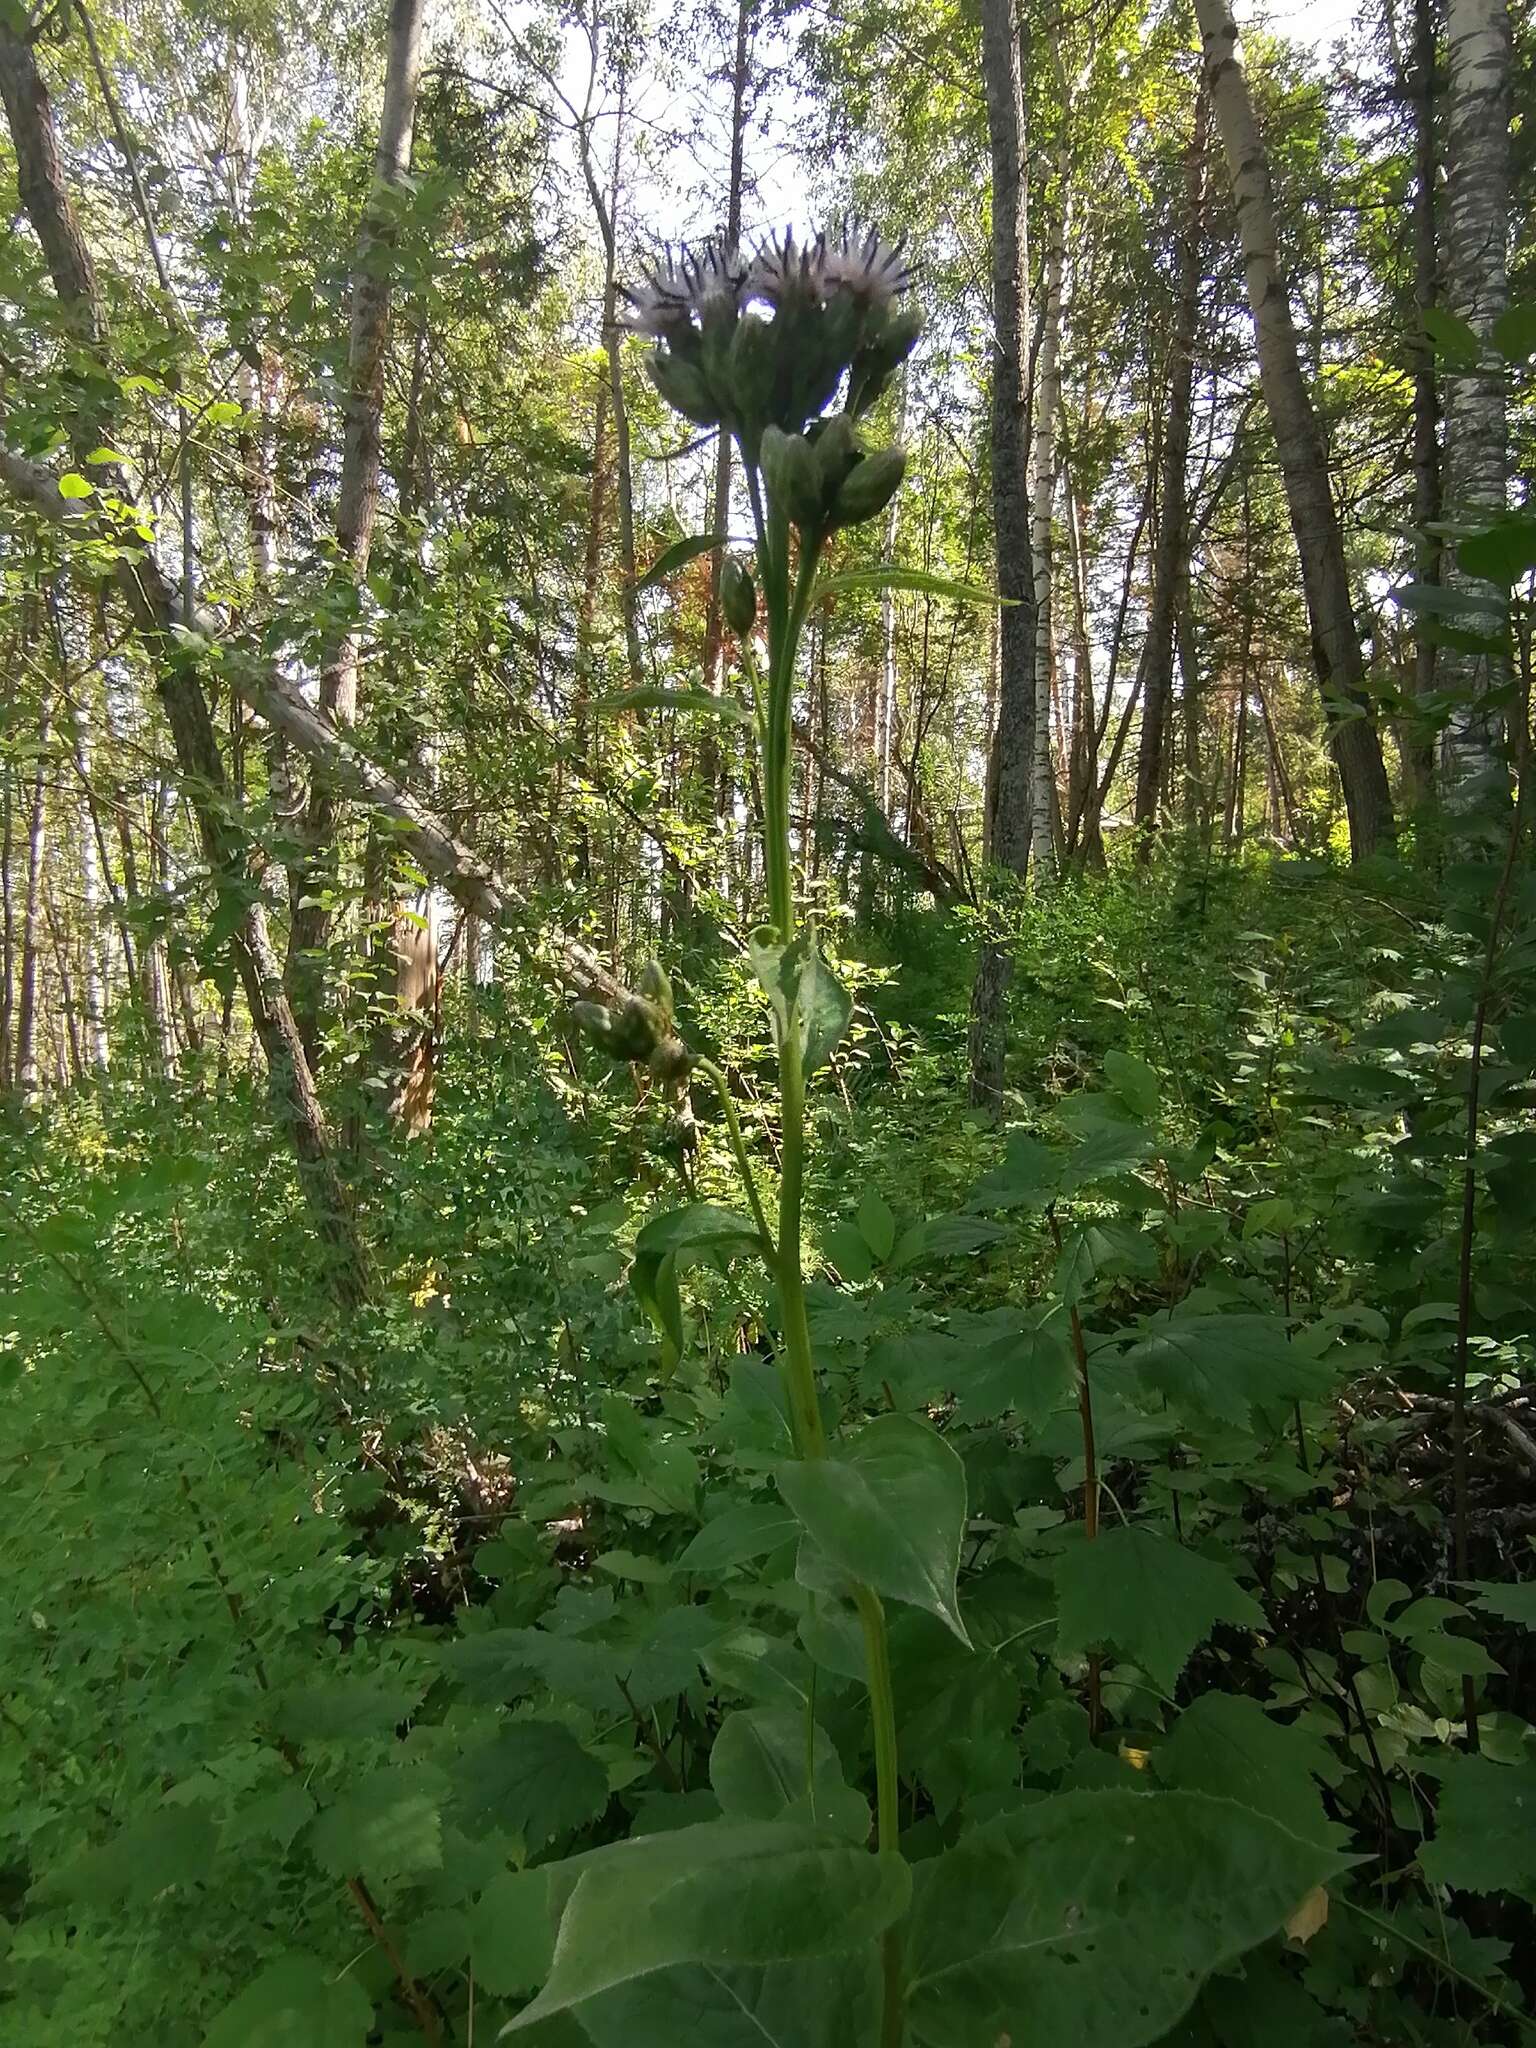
788	350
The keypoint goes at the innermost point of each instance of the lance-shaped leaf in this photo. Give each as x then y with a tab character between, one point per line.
888	576
649	697
1094	1917
720	1895
888	1508
796	978
668	1240
676	556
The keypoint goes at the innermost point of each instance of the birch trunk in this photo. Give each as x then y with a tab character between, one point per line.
28	995
1336	650
1477	153
1013	742
371	292
91	895
1416	746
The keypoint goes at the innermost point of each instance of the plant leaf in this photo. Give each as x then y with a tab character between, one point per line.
697	1229
739	1535
820	2002
656	697
532	1777
1515	1603
887	576
1452	338
888	1508
1485	1827
1093	1917
718	1894
1502	552
1221	1365
1226	1744
680	552
1149	1597
796	978
295	2002
759	1769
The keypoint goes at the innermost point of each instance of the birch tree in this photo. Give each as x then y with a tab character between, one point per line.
1476	224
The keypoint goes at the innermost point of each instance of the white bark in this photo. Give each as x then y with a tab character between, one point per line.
27	1004
1477	148
93	938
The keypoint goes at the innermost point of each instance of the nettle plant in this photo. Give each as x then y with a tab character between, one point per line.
998	1913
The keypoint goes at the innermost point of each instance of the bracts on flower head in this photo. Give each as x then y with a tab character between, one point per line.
767	342
857	260
677	293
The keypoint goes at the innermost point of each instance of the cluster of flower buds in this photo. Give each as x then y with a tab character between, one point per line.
642	1030
762	344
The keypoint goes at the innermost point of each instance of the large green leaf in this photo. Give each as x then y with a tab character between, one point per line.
796	979
819	2002
532	1777
387	1826
1148	1597
679	1234
1485	1827
173	1845
719	1895
1092	1918
296	2002
888	1508
1227	1745
1502	552
742	1533
1515	1603
1222	1365
762	1769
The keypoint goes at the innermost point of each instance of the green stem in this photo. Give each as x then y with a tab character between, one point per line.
786	611
743	1163
882	1714
799	1366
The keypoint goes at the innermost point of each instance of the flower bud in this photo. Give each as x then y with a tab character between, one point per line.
595	1020
789	470
869	487
655	985
634	1031
837	450
884	350
738	596
683	387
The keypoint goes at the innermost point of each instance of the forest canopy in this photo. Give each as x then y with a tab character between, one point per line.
767	1041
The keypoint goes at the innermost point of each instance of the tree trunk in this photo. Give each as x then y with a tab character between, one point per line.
156	613
1043	798
720	494
371	292
1336	649
1170	559
1477	155
606	211
29	993
1013	742
1415	743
